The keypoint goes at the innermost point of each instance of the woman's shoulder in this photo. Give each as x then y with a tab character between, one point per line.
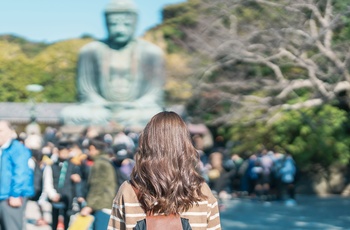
208	192
205	188
126	185
126	190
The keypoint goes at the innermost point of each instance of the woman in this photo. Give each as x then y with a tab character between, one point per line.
167	179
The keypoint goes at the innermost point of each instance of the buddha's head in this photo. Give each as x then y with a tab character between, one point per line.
121	18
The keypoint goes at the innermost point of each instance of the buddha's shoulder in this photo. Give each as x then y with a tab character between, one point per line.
94	46
149	47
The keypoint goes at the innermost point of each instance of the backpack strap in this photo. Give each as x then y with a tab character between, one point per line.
171	222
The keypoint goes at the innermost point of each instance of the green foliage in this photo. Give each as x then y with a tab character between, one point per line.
30	49
343	29
317	135
174	11
183	14
52	66
176	17
171	32
300	95
314	135
247	139
251	13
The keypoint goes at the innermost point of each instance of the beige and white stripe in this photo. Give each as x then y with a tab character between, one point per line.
127	211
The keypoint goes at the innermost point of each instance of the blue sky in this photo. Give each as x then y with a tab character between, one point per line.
52	20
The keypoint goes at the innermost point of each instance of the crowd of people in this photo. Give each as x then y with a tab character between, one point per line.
82	174
265	176
76	174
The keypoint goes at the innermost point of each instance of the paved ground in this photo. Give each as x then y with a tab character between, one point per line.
311	213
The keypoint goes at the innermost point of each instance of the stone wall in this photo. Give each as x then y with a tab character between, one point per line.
322	182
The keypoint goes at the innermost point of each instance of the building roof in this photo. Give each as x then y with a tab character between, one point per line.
46	113
20	113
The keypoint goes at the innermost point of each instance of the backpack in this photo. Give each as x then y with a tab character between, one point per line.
170	222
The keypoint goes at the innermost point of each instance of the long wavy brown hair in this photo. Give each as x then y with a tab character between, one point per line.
166	170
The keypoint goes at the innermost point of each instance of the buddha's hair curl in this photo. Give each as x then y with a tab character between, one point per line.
166	171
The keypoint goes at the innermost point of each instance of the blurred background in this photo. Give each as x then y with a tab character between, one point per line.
251	75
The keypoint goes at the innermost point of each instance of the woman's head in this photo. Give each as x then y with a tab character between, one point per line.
166	135
166	165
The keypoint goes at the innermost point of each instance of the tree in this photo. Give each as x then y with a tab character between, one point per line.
271	73
53	66
268	56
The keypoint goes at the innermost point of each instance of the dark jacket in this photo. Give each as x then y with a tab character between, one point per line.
68	190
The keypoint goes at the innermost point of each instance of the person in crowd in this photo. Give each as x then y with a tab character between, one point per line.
134	135
233	165
275	175
123	162
37	165
102	185
287	174
122	138
253	170
61	184
33	140
244	178
85	168
16	179
49	135
167	178
265	162
219	178
198	143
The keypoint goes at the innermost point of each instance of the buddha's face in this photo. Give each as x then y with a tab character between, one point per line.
121	26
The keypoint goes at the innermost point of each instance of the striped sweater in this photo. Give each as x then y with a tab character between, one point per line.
126	211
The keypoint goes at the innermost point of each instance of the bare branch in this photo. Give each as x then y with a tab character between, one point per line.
295	53
306	104
293	85
314	10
